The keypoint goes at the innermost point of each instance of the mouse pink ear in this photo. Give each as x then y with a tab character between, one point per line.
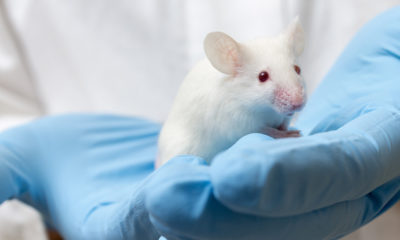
223	52
295	36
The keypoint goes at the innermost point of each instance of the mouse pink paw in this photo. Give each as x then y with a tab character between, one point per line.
275	133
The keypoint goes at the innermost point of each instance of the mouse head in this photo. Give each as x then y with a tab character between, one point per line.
263	71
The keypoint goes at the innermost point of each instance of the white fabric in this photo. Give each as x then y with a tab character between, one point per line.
19	222
17	95
129	56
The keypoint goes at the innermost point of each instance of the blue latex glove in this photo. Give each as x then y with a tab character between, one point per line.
322	186
85	173
92	175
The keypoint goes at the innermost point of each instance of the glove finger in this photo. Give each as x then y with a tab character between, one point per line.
366	72
293	176
127	218
182	206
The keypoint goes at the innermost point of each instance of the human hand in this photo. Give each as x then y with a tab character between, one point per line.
341	175
84	173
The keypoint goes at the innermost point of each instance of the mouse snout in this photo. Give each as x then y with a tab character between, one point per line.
296	107
297	101
289	100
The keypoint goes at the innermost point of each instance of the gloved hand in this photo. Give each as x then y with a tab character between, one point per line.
92	175
341	175
85	173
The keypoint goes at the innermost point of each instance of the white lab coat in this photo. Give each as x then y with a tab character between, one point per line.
129	56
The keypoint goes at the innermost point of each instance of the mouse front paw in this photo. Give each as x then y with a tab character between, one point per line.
275	133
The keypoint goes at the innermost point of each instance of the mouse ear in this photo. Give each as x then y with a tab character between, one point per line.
295	36
223	52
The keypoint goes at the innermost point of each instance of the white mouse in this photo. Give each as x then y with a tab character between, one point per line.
241	88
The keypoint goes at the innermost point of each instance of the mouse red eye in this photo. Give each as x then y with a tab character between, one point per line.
297	69
263	76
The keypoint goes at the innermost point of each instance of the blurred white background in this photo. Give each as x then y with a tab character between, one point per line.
129	57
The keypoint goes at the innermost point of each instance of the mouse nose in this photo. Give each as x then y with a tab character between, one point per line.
296	107
297	102
289	101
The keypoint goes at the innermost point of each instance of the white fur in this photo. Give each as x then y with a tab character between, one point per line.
214	108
